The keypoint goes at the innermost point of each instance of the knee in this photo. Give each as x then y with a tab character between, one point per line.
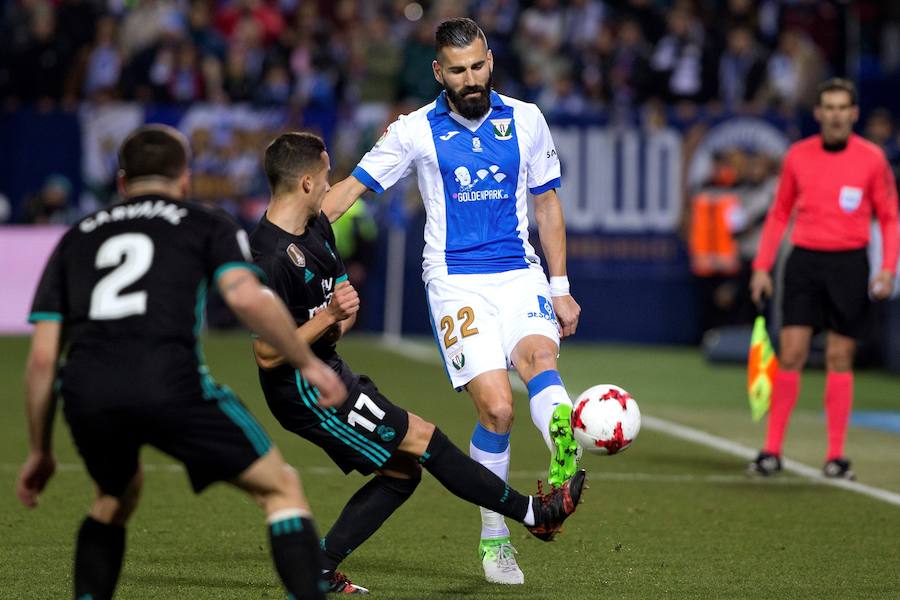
117	510
498	416
793	359
419	431
538	359
838	360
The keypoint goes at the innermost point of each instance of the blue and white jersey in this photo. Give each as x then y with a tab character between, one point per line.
473	177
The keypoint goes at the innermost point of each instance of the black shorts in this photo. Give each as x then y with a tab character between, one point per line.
827	290
362	434
215	439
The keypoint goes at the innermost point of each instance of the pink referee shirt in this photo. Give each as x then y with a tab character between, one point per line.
834	196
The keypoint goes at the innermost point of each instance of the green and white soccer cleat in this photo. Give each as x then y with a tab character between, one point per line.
565	451
498	558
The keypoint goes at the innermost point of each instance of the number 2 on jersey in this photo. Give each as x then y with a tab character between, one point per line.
467	315
131	254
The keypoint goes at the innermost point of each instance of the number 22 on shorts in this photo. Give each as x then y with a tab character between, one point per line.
466	317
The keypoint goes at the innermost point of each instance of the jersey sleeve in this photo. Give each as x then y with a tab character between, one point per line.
390	160
50	299
229	248
884	198
778	217
543	162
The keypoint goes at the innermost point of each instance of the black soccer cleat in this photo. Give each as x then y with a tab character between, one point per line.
766	464
838	468
338	583
554	508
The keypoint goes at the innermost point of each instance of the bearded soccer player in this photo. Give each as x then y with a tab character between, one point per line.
294	244
832	184
123	295
477	155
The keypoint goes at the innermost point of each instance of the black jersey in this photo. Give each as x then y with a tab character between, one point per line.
303	270
129	285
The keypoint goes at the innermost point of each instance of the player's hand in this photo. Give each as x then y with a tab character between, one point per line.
760	286
344	302
882	285
332	391
567	313
33	477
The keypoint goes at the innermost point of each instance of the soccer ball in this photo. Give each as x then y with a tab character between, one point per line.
605	419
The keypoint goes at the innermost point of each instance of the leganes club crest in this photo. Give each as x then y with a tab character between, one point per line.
502	129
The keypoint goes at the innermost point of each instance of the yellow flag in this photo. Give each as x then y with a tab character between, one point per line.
762	365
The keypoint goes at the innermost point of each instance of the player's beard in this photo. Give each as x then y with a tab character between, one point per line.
472	108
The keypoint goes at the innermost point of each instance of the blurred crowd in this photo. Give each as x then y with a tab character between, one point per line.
357	63
573	57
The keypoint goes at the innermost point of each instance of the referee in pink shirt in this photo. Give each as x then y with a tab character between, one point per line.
831	184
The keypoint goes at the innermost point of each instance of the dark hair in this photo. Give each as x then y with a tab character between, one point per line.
289	157
153	151
458	33
836	84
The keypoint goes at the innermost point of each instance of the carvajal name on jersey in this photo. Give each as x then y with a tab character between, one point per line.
149	209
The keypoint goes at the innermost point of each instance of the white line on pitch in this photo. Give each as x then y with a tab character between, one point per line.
325	471
428	354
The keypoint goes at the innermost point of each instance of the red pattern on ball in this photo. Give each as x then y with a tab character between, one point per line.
616	442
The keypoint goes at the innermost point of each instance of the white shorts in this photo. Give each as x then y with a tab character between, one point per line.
478	319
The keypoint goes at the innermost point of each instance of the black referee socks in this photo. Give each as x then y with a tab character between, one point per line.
99	549
470	480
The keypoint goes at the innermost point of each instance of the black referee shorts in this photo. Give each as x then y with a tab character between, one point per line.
216	439
362	434
827	290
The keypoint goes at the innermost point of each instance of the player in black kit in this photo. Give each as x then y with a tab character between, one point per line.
123	297
294	245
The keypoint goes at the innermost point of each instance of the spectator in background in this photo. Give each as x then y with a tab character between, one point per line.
742	68
680	60
582	23
42	66
52	204
539	40
416	80
879	130
207	40
102	63
793	72
185	84
630	75
355	236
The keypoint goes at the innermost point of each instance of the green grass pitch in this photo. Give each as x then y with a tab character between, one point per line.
667	519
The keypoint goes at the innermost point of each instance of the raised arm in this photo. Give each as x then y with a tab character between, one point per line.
552	230
266	314
341	197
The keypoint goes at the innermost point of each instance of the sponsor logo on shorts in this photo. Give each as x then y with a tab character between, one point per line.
386	433
545	310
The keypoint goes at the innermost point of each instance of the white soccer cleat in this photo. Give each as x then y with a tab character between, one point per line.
498	558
